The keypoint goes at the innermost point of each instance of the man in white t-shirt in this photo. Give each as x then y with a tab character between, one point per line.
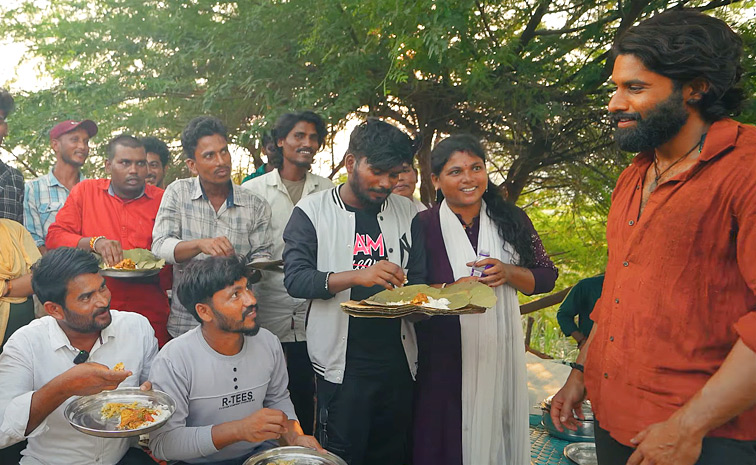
70	353
227	376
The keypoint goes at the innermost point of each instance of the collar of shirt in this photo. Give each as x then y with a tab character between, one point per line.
199	192
113	194
312	183
59	339
53	181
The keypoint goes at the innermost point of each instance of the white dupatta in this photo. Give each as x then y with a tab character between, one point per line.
494	377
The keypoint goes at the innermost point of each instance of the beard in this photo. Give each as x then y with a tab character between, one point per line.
235	326
363	194
69	160
86	325
659	126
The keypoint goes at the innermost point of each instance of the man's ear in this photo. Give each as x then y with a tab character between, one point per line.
190	163
204	312
695	90
350	161
108	167
54	310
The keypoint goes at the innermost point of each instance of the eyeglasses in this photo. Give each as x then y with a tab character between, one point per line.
81	357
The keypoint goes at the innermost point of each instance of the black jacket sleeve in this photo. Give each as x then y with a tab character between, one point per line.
302	278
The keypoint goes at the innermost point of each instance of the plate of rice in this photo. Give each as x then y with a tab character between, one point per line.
120	413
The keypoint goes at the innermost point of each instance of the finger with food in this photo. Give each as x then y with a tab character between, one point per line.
110	251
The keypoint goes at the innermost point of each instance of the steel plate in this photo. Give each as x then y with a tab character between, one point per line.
294	455
84	412
582	453
129	274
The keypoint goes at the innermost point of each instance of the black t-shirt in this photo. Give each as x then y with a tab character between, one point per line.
374	344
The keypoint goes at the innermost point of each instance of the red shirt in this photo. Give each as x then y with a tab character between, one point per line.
90	211
679	286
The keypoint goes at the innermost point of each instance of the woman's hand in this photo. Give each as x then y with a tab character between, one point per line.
496	272
500	273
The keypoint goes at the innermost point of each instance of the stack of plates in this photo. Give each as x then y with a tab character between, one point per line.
267	265
460	299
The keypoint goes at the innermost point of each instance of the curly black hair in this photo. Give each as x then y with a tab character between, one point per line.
201	279
198	128
507	217
158	147
684	45
52	273
284	125
383	145
7	104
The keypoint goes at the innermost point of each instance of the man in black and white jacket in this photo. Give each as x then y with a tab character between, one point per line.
351	242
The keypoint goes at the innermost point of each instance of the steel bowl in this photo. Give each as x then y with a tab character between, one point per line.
294	455
582	453
585	428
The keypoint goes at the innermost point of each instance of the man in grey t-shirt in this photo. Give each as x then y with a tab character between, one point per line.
227	376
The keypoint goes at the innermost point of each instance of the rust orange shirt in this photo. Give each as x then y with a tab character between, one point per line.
679	288
90	211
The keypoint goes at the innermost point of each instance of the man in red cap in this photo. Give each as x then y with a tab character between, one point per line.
46	195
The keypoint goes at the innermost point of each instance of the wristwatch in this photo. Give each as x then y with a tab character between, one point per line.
577	366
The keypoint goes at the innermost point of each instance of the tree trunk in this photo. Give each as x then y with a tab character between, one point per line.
427	192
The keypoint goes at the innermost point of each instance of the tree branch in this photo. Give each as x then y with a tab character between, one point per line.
336	168
552	32
352	33
716	4
26	165
486	27
535	20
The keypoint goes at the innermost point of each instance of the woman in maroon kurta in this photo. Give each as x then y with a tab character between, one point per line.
437	431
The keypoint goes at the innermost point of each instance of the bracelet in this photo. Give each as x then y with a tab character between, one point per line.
93	241
8	287
328	275
443	285
577	366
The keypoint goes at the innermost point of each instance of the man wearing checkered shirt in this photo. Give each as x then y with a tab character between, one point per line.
207	215
11	180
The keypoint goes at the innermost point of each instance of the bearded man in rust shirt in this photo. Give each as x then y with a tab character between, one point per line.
670	365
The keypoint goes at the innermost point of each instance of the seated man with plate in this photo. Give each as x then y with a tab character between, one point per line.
70	353
227	376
